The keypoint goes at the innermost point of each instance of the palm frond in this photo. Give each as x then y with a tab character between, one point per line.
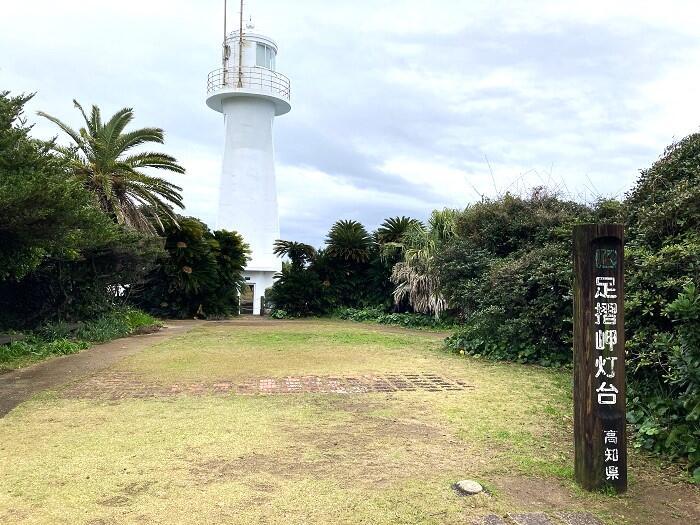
154	160
129	140
74	135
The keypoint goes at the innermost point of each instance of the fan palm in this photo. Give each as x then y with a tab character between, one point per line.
101	158
298	252
415	276
349	240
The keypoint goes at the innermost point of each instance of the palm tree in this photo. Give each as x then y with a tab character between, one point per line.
349	240
415	276
393	229
390	236
101	158
298	252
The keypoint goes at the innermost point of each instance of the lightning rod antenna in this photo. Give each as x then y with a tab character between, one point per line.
226	48
240	49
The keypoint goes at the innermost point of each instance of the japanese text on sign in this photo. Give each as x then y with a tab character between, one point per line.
606	340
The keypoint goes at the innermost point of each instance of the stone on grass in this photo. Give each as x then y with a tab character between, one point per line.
468	487
491	519
532	518
578	518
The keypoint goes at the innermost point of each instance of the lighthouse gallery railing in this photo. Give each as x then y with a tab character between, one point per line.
254	78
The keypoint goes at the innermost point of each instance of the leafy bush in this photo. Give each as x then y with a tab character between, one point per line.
298	292
353	271
42	212
200	274
359	314
669	422
58	339
508	275
99	280
379	315
523	311
663	270
279	314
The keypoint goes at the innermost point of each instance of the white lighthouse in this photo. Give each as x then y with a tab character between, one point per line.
250	93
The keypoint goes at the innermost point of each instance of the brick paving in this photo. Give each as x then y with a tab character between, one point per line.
540	518
121	385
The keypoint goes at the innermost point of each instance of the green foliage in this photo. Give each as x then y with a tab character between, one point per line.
377	314
371	313
200	274
298	292
511	223
394	229
58	339
300	254
61	257
279	314
101	158
416	275
352	271
665	203
508	274
99	279
42	213
665	411
663	271
349	241
523	312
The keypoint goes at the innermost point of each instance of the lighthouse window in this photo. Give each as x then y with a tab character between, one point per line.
265	56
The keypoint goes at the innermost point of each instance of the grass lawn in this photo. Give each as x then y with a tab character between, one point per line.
367	458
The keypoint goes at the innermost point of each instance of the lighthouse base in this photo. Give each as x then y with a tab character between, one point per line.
252	298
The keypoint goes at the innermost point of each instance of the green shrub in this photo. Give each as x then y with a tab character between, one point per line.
298	292
360	314
508	275
666	414
661	305
279	314
379	315
60	338
199	275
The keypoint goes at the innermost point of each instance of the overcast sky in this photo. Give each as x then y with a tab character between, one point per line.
399	107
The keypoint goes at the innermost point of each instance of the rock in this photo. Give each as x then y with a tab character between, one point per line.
579	518
468	487
533	518
491	519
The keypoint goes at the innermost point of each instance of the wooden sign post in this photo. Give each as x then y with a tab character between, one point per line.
599	357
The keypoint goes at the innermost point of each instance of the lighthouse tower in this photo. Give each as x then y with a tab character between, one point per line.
250	93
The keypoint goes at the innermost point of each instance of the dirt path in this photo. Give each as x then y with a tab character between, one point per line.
19	385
